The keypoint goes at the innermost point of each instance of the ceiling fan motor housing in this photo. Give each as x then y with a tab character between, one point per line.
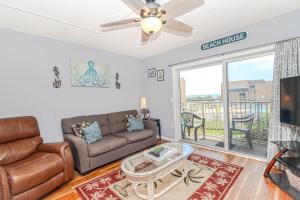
152	9
148	1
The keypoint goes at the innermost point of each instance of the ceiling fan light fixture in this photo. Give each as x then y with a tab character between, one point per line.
151	24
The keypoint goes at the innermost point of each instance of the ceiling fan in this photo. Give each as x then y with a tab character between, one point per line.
154	17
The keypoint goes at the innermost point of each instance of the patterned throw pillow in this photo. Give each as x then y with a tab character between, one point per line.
77	128
135	123
92	133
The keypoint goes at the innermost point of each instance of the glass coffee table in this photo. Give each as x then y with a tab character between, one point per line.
142	170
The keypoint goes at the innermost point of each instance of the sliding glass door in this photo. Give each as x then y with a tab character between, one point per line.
228	105
202	113
249	93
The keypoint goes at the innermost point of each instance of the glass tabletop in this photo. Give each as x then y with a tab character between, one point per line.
290	145
141	165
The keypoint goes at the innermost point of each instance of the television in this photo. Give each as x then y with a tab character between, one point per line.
290	101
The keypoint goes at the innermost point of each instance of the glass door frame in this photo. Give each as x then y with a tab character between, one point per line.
223	59
220	64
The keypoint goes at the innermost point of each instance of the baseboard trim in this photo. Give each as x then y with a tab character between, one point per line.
225	151
167	139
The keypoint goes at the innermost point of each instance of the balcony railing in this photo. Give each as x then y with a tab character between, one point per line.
213	112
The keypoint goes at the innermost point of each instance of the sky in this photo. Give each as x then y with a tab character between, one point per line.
252	69
208	80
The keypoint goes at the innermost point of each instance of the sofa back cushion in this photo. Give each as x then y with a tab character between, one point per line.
101	119
17	150
17	128
118	120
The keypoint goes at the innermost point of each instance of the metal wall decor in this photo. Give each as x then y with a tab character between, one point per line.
118	85
57	81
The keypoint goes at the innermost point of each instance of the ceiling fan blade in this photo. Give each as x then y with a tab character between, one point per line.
121	22
135	5
175	25
144	36
175	8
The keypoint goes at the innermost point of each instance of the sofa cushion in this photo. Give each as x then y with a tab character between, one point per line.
118	120
135	136
135	123
33	171
92	133
108	143
77	128
101	119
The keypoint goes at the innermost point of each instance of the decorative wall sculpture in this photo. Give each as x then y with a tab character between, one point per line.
57	81
89	74
118	84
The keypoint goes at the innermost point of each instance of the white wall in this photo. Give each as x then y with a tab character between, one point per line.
159	94
26	78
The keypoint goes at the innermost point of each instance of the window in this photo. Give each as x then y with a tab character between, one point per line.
242	96
201	105
249	116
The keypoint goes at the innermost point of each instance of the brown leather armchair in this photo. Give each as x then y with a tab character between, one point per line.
30	169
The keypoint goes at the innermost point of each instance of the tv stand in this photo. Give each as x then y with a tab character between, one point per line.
293	163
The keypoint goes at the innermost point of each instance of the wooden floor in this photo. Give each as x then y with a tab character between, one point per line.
250	185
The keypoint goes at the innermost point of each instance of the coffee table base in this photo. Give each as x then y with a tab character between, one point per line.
150	187
150	181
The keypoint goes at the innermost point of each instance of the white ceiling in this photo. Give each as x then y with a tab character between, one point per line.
77	21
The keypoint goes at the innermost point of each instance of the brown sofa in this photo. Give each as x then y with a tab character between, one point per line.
117	142
30	169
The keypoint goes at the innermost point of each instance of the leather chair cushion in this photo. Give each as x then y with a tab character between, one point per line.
108	143
18	150
17	128
33	171
118	120
135	136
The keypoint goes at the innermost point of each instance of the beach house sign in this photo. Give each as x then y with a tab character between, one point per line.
224	41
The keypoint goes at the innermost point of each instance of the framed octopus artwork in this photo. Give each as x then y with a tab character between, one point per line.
87	73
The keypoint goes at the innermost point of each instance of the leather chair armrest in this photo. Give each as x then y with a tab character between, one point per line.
57	148
80	152
4	185
63	149
152	125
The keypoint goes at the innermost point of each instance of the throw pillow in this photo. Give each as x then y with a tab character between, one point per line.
135	123
77	128
92	133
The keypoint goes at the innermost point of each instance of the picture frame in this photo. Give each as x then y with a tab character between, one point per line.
151	72
160	75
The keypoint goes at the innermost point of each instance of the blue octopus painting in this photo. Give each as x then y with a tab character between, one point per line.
86	75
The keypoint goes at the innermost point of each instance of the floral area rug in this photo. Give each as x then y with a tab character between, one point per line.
207	179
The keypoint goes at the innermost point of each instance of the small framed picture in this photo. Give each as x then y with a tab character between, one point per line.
160	75
151	72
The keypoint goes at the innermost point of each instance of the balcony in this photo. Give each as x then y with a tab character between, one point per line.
213	113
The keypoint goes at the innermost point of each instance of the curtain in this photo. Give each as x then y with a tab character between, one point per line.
287	64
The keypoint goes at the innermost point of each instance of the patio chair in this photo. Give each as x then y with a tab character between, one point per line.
190	120
242	125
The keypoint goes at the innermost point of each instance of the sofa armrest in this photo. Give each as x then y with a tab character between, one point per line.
63	149
4	185
80	152
152	125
